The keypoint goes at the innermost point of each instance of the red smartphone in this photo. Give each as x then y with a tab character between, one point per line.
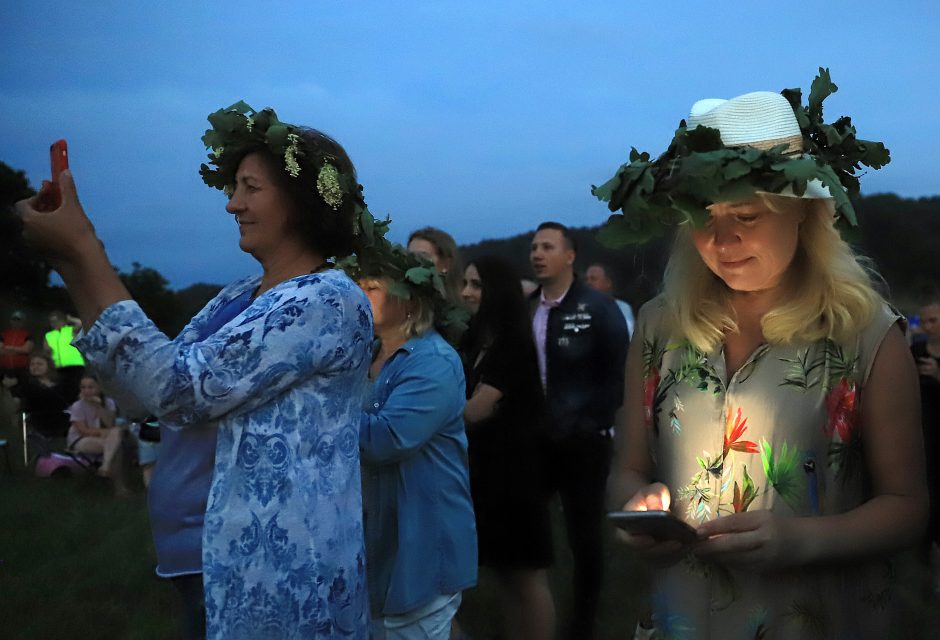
661	525
59	159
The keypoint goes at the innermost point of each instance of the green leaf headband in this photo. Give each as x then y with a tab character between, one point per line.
239	127
698	170
411	275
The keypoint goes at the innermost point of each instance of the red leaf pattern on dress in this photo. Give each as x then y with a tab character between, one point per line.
650	383
840	406
734	430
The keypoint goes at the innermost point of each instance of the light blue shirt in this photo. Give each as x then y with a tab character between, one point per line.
284	382
421	538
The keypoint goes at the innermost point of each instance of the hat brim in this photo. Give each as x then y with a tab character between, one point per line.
815	190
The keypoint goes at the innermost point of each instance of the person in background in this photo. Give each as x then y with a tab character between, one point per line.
256	505
439	247
581	342
57	343
926	354
16	343
94	430
148	447
598	276
505	430
771	401
528	286
419	524
41	397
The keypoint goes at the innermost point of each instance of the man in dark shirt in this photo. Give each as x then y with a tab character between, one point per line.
581	339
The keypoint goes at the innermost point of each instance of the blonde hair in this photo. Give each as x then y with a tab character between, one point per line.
419	311
830	293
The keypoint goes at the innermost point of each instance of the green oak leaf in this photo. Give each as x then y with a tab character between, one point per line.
419	275
276	136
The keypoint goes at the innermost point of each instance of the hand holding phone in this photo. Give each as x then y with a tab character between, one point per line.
50	198
59	159
662	526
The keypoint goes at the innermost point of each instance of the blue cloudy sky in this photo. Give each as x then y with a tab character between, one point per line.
483	118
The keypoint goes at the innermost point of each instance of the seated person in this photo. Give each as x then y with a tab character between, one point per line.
94	430
41	397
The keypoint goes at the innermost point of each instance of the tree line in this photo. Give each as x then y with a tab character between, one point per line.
901	237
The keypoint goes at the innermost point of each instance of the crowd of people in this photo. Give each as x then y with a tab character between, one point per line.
348	436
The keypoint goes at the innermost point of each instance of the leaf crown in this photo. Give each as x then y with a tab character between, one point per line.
697	170
410	275
239	128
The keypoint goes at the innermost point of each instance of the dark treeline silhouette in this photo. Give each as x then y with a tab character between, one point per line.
24	276
900	235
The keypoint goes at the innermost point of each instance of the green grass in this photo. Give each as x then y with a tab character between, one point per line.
75	562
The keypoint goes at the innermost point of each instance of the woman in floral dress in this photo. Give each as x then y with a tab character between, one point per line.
276	363
770	398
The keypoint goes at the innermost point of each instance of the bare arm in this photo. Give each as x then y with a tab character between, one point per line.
107	416
86	431
25	348
891	430
481	405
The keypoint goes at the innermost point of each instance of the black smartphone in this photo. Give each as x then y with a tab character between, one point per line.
660	525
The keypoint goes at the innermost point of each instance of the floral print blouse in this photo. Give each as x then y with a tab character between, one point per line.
782	434
284	381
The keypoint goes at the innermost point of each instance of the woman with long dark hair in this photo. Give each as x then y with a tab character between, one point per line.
42	397
504	402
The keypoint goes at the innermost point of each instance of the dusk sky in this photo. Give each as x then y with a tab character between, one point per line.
482	118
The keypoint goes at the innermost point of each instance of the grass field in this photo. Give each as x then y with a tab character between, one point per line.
77	563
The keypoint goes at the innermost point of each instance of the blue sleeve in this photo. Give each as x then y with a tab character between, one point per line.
130	405
193	329
427	395
286	335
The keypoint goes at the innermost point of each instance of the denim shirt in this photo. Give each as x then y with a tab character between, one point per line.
284	381
420	529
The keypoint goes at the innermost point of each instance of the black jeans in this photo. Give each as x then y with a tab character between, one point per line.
577	468
192	609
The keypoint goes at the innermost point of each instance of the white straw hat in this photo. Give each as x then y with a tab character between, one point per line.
760	142
762	119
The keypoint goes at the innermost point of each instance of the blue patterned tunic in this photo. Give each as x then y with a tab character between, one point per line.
284	381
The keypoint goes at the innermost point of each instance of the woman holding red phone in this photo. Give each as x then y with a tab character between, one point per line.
769	390
255	502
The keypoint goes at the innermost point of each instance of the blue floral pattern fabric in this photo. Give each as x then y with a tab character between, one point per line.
284	381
